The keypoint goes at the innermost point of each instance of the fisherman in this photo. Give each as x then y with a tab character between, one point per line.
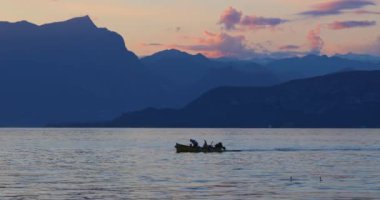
205	145
194	142
220	146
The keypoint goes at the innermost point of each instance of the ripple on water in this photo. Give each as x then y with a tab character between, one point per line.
116	164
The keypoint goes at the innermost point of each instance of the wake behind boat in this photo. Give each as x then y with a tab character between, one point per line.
195	148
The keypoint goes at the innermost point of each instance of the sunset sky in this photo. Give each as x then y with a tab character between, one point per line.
235	28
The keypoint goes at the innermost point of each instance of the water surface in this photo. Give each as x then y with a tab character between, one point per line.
142	164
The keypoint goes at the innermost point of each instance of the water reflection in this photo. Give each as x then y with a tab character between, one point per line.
141	164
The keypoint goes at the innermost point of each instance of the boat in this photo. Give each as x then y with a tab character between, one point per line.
192	149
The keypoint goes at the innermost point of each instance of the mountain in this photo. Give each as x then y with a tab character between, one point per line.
63	42
177	66
196	74
191	75
176	55
74	71
359	57
314	65
346	99
69	71
186	69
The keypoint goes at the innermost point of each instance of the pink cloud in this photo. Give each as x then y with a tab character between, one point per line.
151	44
339	25
337	7
315	40
230	18
219	45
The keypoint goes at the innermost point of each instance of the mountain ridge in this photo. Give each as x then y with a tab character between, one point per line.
82	74
75	71
340	100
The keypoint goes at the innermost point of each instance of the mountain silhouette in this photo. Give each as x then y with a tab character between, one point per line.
74	71
359	57
315	65
177	66
68	71
347	99
191	75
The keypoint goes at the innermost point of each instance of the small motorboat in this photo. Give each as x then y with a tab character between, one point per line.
218	148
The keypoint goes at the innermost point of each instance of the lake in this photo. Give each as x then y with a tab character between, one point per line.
142	164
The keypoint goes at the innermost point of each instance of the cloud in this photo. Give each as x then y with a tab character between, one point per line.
254	22
362	12
232	19
339	25
216	45
289	47
316	43
152	44
220	45
286	54
315	40
336	7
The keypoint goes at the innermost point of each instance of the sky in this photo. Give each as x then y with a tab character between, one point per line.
221	28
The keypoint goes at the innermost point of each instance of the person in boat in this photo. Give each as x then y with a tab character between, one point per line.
220	146
194	143
205	145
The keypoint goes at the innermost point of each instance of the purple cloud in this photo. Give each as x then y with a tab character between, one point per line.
339	25
362	12
230	18
254	22
337	7
289	47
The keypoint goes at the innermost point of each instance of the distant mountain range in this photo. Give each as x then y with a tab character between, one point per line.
313	65
73	71
359	57
347	99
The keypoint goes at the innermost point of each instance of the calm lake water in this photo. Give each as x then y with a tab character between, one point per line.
142	164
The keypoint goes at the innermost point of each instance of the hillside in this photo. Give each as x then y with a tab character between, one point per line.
348	99
68	71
